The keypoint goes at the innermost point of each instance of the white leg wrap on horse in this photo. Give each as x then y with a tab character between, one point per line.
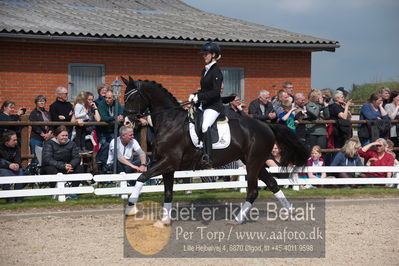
132	210
240	218
136	192
165	218
283	200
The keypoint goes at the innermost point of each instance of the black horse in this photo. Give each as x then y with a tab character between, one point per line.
251	142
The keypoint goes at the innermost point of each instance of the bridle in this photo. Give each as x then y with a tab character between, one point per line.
135	90
130	94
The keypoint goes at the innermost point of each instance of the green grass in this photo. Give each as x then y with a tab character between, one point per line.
202	196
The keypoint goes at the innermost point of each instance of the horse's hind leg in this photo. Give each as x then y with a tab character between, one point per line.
271	184
168	197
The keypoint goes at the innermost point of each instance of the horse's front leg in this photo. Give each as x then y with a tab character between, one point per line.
157	168
168	197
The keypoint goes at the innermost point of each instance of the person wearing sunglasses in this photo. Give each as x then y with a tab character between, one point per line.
234	110
375	153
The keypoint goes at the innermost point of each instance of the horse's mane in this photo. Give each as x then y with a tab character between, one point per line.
154	84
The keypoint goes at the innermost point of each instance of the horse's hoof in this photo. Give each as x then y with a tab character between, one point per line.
166	220
131	210
233	223
161	224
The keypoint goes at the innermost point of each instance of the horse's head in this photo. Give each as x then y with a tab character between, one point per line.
135	101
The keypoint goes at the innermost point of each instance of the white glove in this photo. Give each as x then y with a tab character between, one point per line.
193	98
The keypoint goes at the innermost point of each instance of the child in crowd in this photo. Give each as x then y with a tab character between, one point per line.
287	117
314	160
81	114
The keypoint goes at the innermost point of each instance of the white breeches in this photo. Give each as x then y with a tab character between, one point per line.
210	117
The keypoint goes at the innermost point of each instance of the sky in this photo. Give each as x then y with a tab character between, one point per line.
367	30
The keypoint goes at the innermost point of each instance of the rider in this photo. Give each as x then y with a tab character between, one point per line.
208	97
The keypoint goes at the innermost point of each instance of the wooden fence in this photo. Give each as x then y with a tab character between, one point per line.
25	132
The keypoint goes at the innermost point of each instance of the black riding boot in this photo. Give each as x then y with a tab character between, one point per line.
207	148
197	156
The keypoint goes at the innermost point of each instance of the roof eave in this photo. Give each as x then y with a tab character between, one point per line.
156	41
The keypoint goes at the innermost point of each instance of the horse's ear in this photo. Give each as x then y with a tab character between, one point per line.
130	79
124	80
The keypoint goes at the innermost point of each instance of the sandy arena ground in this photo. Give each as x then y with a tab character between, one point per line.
359	232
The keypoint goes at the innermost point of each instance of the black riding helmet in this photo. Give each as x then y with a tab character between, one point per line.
211	47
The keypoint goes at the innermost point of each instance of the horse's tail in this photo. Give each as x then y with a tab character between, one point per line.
292	150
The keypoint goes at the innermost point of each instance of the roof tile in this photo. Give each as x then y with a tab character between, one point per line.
158	19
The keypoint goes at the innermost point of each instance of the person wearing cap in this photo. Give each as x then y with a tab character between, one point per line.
208	97
39	134
234	109
345	92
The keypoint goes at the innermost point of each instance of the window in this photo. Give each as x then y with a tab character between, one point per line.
233	80
84	77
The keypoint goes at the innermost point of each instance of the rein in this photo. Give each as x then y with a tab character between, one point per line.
172	108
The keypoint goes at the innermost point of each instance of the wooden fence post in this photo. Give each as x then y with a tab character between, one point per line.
25	141
143	138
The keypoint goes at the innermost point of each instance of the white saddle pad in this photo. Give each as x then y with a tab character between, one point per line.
224	136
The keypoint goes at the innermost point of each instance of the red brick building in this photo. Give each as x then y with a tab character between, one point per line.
51	44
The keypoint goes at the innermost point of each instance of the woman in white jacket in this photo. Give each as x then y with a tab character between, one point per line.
81	113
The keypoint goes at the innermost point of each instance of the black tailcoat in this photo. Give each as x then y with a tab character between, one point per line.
211	86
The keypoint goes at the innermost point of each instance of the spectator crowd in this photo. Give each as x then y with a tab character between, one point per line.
60	149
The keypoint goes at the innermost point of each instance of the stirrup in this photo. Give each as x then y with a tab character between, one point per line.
205	157
206	161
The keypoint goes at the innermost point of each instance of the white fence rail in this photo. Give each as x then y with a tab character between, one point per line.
60	190
122	188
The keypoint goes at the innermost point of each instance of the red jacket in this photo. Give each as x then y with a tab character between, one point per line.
386	160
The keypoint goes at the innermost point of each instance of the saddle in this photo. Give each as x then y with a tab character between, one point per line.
220	131
198	119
